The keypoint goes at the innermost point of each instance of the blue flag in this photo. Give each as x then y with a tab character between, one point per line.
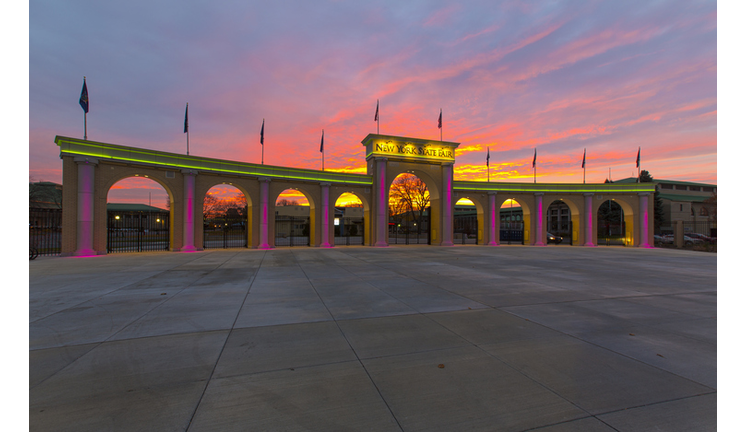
583	166
84	97
186	119
534	164
321	149
261	134
638	157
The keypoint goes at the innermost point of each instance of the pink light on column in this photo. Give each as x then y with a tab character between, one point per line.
325	215
492	220
189	182
86	173
381	204
589	220
539	241
264	213
644	227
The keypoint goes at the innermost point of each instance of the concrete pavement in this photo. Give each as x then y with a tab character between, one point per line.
410	338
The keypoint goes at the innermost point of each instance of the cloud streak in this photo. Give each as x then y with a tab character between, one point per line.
510	76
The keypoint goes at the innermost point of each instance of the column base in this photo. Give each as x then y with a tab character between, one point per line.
589	245
381	244
85	253
493	244
189	249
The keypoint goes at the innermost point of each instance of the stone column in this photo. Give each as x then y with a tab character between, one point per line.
86	181
264	213
446	209
381	192
189	223
539	219
644	220
588	221
325	215
492	222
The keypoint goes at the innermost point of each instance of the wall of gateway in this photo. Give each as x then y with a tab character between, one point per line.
91	168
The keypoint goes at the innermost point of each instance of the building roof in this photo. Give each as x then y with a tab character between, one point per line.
675	182
684	198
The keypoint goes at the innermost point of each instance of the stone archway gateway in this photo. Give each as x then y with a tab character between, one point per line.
90	168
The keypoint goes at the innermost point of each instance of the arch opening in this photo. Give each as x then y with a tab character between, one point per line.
467	219
138	216
614	224
513	225
293	219
349	220
225	218
559	222
409	210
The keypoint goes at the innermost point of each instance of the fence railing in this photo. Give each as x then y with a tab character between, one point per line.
45	230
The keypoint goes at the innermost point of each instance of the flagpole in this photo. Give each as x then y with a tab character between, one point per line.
441	124
262	141
637	162
378	120
488	164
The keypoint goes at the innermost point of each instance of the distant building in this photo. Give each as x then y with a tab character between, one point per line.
682	201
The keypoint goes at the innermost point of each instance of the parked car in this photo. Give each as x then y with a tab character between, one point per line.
702	237
551	238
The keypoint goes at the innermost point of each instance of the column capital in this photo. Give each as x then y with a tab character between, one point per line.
325	184
642	194
85	160
587	194
190	172
491	192
538	193
264	179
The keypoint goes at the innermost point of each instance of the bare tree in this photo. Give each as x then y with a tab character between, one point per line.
711	205
409	194
286	202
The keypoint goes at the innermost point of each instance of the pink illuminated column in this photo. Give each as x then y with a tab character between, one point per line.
491	221
588	215
446	211
382	205
644	220
86	175
264	213
539	229
325	215
189	188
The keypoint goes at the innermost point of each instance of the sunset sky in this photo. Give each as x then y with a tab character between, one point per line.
514	76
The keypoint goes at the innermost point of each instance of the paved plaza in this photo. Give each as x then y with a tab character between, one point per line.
404	338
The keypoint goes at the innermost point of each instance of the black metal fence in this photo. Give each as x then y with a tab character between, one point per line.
292	231
410	232
511	232
350	231
45	230
611	233
465	229
137	231
223	232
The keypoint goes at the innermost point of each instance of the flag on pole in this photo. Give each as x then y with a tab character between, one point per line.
261	134
583	166
488	156
376	118
534	163
638	157
321	149
84	97
440	120
186	118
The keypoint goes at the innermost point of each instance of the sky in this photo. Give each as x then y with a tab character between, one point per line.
559	78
